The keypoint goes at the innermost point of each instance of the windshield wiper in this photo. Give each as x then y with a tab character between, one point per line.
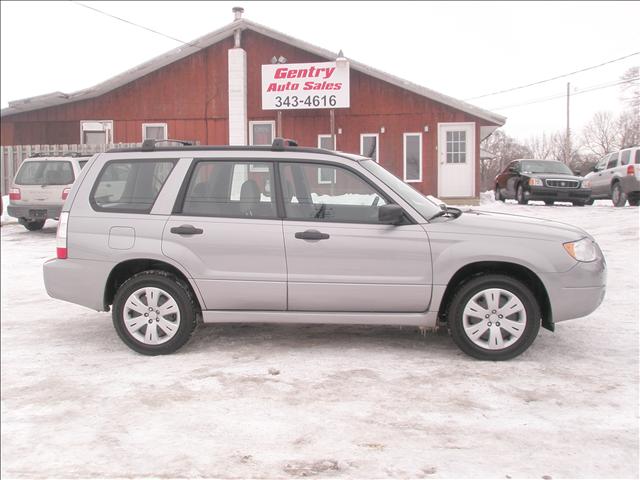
454	212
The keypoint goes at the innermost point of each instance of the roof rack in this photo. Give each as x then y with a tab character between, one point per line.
66	154
149	145
280	143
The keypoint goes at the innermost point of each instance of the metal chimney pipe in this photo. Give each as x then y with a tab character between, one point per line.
237	12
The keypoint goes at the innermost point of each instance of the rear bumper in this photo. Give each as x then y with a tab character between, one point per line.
630	184
77	281
558	194
27	211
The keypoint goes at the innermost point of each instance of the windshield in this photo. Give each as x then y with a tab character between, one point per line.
45	172
544	166
422	204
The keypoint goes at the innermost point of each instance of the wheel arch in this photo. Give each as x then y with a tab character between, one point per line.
127	268
520	272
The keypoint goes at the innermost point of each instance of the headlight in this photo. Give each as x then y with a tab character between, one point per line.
586	184
535	182
583	250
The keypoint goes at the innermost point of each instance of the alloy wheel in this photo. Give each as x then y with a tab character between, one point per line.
151	316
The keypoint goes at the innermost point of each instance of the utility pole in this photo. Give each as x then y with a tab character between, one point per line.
567	147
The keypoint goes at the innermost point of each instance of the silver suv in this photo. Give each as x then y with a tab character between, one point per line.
617	177
40	188
170	237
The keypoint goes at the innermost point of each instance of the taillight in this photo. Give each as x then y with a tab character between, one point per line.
14	194
631	170
65	193
61	236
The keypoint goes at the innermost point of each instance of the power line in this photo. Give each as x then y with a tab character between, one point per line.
563	95
554	78
137	25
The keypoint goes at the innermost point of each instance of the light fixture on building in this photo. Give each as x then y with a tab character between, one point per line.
341	61
381	129
282	59
426	128
339	131
274	59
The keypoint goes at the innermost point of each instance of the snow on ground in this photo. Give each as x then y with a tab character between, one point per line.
290	401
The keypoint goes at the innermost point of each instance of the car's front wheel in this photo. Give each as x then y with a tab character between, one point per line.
498	194
494	317
154	312
618	197
520	196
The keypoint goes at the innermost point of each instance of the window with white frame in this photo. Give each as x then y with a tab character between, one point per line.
326	175
261	132
369	146
96	132
412	153
154	131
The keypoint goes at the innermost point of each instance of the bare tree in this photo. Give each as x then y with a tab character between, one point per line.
628	124
602	134
631	88
542	147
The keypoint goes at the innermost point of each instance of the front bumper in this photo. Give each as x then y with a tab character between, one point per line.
558	194
34	212
577	292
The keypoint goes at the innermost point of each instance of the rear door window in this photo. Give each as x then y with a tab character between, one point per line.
45	173
625	156
130	186
231	189
613	160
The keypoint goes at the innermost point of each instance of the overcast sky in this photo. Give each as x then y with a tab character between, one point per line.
461	49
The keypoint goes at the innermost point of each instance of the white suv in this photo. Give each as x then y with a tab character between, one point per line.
617	176
40	188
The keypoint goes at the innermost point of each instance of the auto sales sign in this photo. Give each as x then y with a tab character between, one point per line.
296	86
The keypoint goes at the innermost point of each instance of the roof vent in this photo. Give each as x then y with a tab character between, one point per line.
237	12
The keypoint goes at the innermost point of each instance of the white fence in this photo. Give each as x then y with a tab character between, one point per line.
12	156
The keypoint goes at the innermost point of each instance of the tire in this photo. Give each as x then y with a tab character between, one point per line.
589	202
520	195
548	202
634	202
33	225
490	331
498	194
618	197
176	325
578	204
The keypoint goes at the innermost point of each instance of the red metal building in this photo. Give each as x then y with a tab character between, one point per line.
210	91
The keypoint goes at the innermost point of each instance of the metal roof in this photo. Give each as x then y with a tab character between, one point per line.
60	98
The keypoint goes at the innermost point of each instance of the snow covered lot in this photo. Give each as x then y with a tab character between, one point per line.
288	401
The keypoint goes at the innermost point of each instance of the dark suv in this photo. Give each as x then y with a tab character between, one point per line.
546	180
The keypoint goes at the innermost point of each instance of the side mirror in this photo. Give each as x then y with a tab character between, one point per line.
513	169
390	214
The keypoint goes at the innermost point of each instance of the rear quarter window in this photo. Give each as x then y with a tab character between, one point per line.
130	186
45	173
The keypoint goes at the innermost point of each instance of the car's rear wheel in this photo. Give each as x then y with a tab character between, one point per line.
634	202
154	312
589	202
520	197
494	317
618	197
32	225
498	194
548	202
578	204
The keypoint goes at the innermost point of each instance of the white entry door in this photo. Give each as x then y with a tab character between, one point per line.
456	159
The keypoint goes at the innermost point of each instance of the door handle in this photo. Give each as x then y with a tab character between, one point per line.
312	235
187	230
